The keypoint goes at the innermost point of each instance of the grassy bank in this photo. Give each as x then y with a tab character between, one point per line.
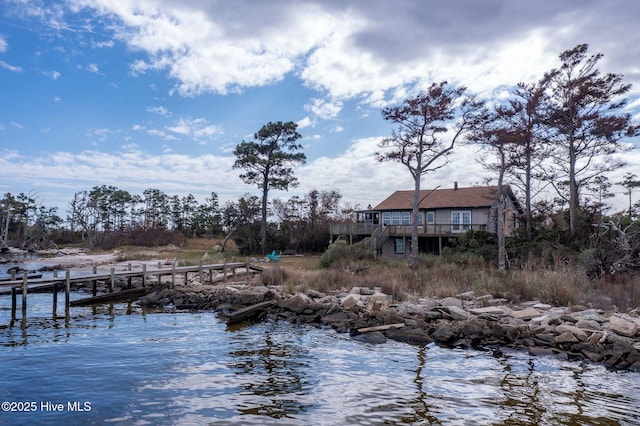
442	277
559	284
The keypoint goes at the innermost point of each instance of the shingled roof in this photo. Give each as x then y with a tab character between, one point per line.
475	196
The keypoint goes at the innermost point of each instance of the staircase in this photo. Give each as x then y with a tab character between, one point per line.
378	238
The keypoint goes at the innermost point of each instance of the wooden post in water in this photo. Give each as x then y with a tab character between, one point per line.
14	303
55	300
129	277
25	289
67	292
144	275
94	283
13	275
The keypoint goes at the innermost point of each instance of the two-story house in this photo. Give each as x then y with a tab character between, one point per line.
443	215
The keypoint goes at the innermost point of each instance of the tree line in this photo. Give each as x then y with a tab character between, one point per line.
106	216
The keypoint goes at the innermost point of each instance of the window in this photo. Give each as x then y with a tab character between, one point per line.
396	218
431	218
460	221
398	246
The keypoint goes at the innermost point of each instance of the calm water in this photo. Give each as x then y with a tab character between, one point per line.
139	368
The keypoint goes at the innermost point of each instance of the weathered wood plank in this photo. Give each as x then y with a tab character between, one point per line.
248	312
381	327
112	297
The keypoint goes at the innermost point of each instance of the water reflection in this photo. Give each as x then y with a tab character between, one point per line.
278	370
141	367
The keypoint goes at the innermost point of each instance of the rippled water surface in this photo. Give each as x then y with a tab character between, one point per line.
139	368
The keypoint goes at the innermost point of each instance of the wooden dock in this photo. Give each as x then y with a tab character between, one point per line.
25	284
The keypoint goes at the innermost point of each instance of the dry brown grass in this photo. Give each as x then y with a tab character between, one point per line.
438	278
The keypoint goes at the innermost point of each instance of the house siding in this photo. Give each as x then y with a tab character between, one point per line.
433	237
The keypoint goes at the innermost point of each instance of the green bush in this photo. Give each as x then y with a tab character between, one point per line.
340	253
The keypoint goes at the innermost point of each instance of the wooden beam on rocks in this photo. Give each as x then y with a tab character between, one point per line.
381	327
248	312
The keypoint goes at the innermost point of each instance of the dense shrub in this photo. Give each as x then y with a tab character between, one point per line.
340	254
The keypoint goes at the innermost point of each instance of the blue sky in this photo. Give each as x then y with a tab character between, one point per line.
156	94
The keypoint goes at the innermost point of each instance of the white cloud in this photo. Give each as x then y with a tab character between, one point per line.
17	125
160	110
197	128
324	109
305	122
3	44
64	173
57	99
162	134
10	67
93	68
102	44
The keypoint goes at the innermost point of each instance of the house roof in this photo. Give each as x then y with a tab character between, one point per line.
475	196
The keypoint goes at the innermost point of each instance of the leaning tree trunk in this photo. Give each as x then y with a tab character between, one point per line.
413	256
502	252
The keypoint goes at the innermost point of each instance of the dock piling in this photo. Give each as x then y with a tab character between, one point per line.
55	301
14	303
25	290
67	292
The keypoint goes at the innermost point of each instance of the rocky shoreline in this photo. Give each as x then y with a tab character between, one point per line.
467	321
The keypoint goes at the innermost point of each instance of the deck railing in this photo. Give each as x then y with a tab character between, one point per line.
440	229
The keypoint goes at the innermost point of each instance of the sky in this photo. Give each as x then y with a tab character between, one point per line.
145	94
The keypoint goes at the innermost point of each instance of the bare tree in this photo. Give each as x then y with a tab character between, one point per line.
428	126
523	114
506	141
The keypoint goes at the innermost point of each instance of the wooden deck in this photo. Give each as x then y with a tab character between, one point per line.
25	285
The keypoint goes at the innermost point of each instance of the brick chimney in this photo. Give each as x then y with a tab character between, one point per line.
455	185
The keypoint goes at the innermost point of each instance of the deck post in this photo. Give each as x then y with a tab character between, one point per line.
224	270
200	271
25	289
14	303
13	275
94	283
67	292
246	263
129	278
55	300
144	275
113	279
173	274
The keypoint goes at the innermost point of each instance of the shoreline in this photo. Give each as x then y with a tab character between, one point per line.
373	317
369	316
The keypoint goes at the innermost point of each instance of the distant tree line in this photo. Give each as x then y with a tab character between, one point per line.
106	216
